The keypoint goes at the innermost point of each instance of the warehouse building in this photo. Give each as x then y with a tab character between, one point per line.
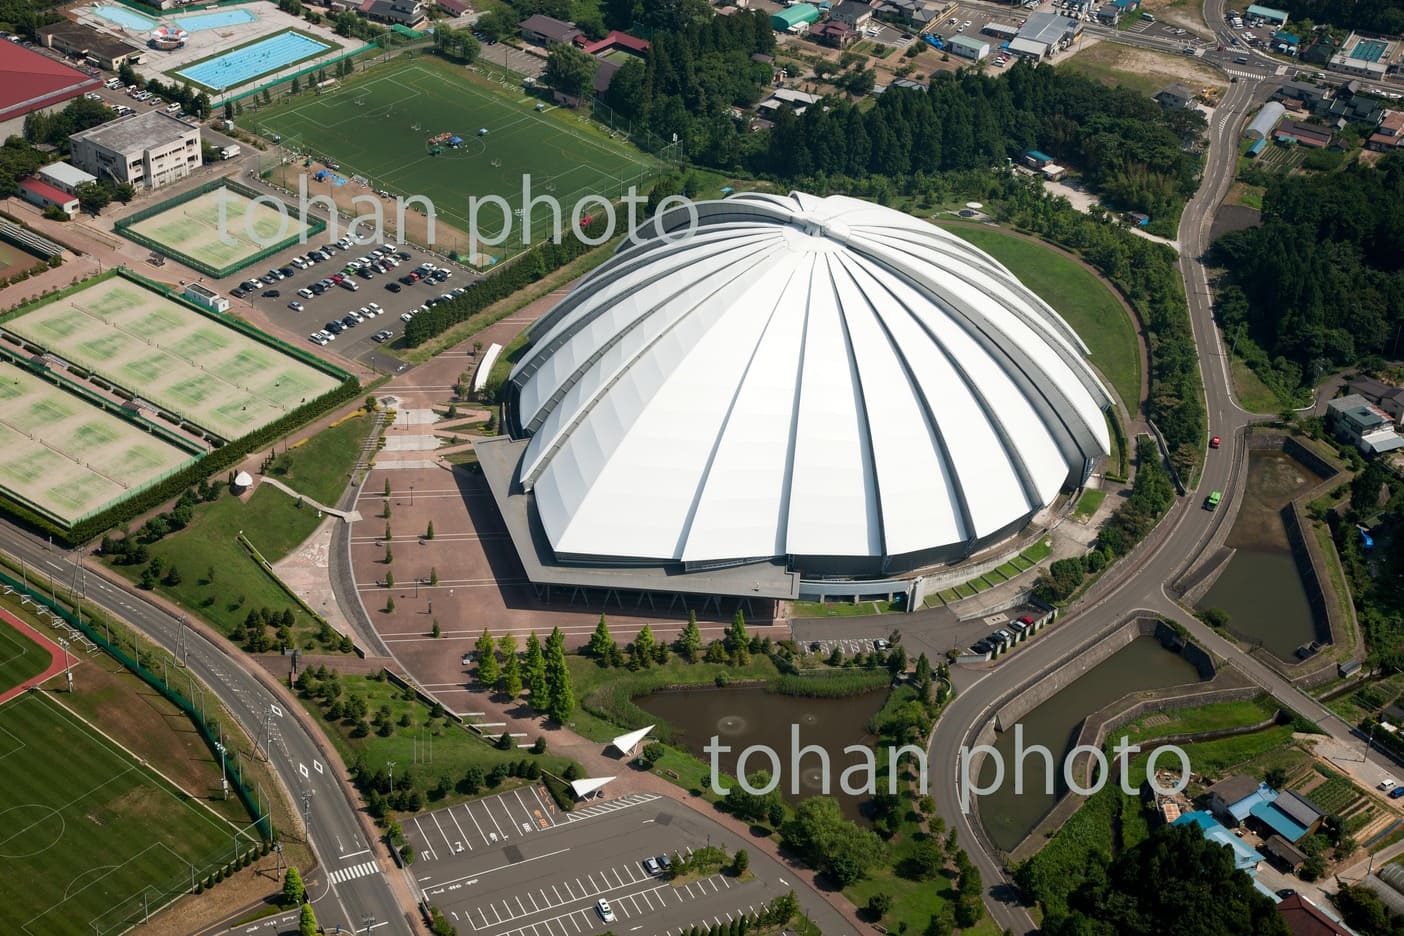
968	47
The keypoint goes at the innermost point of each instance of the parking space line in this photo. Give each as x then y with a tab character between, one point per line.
534	907
544	811
459	828
447	843
531	820
522	905
425	839
569	893
558	893
644	895
574	921
591	879
475	823
494	821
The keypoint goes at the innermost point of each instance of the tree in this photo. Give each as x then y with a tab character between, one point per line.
878	906
831	843
434	575
124	192
740	862
292	888
172	575
690	640
92	197
1174	881
738	643
429	533
601	643
644	645
488	670
560	694
307	922
511	681
534	671
570	70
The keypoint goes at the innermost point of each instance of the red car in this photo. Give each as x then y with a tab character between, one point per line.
1214	442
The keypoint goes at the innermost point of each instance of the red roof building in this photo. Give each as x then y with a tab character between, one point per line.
30	81
615	40
1304	918
41	193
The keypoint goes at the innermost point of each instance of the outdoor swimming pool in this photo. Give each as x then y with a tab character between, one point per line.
241	66
215	19
127	19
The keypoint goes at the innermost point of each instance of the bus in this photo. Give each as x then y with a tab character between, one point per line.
1212	502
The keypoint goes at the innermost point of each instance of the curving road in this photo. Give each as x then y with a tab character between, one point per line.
336	833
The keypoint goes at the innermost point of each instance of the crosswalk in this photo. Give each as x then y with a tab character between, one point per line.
353	872
1239	73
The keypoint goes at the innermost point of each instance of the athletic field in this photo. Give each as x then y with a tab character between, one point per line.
66	456
20	658
381	126
219	244
173	356
86	830
13	260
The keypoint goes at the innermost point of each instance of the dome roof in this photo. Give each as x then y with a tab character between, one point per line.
821	379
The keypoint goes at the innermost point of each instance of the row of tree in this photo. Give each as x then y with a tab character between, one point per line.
539	671
191	101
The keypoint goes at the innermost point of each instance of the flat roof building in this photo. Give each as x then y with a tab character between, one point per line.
1268	15
64	177
1052	30
1366	426
149	150
98	48
968	47
206	298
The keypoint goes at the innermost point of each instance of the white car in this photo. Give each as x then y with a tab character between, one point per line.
606	913
1388	783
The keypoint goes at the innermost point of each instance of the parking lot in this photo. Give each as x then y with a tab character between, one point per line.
514	865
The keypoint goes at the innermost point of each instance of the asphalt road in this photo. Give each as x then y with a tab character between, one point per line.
336	834
512	865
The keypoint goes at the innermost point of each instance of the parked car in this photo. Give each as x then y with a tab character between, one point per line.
666	862
271	294
606	913
1396	792
394	287
1388	783
295	306
305	292
651	866
348	285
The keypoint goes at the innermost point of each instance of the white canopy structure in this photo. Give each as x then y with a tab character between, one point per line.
820	379
627	743
583	788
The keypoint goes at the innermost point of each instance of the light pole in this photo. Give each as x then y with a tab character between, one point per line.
67	670
411	495
390	766
223	777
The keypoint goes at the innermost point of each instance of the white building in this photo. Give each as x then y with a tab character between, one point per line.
206	298
968	47
64	177
823	384
149	150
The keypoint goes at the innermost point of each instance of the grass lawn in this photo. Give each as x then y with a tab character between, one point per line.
412	99
455	748
20	657
1079	296
1254	395
89	829
1213	758
808	609
308	466
1213	717
1088	503
1037	552
272	521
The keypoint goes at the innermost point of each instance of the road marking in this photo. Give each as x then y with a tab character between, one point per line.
429	849
364	851
783	881
302	769
514	864
459	828
495	825
317	766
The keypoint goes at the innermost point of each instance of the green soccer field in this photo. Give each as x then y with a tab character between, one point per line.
380	126
20	658
86	830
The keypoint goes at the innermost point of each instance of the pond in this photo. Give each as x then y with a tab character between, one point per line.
742	717
1008	817
1261	589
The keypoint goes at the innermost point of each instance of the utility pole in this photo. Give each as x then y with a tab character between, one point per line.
390	766
307	794
267	729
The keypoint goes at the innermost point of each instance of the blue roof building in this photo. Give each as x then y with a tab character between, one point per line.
1268	15
1244	858
1277	820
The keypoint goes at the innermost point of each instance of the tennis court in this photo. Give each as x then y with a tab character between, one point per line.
187	363
218	231
87	832
68	457
386	127
1369	50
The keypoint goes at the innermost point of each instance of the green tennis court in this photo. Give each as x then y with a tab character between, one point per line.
1369	50
222	230
386	127
189	364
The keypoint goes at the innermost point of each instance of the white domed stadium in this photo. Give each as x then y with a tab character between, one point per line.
822	384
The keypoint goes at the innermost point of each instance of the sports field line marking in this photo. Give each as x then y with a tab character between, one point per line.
110	870
8	636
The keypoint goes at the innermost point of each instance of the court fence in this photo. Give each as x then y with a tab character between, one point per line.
244	844
124	226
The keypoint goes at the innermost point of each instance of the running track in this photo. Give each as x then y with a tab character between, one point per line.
45	644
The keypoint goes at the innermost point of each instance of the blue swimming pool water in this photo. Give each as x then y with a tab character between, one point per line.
215	19
242	65
127	19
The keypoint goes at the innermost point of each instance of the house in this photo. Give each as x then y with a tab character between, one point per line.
1267	15
1126	6
1108	15
851	13
64	177
1283	854
38	192
795	19
455	8
1386	397
834	33
918	13
1261	126
1321	50
1294	131
408	13
542	30
1175	95
1366	426
1304	918
147	150
604	74
1244	858
1309	95
1288	814
1053	172
797	101
85	42
967	47
1231	798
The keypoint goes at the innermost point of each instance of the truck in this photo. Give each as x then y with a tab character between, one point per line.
229	152
936	42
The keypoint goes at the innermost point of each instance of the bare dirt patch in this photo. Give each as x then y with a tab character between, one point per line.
1141	69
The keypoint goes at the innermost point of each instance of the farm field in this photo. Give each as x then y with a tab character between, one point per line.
89	829
188	364
381	128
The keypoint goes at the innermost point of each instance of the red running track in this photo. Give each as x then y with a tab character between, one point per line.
54	651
